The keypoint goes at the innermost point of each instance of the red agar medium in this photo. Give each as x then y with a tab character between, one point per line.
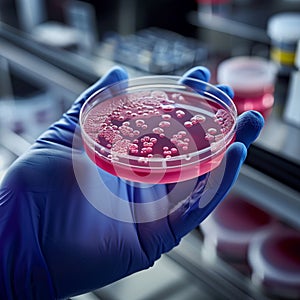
156	134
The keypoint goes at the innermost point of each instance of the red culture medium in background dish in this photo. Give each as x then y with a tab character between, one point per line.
274	257
252	80
157	136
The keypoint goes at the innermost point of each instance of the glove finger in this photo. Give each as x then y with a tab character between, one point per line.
202	76
114	75
249	126
202	86
226	89
201	73
203	202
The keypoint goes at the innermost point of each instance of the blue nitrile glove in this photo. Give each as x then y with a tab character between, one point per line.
67	227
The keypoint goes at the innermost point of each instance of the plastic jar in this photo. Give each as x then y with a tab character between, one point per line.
283	29
274	257
252	79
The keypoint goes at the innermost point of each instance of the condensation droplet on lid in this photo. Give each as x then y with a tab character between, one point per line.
174	150
133	146
198	119
209	137
167	107
166	117
212	130
143	160
164	124
188	124
167	152
157	130
180	114
149	149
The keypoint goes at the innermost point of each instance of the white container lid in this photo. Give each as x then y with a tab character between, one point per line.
247	73
284	27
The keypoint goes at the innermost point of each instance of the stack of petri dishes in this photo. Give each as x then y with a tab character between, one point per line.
228	231
274	257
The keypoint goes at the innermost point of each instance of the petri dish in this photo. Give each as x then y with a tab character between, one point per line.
230	228
158	129
274	257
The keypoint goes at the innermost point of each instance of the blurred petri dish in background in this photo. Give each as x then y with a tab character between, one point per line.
158	129
274	257
230	228
252	80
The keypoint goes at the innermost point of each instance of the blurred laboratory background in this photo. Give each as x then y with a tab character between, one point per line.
52	50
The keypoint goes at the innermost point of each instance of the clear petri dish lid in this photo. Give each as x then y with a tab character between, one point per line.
247	73
158	124
274	256
284	27
236	220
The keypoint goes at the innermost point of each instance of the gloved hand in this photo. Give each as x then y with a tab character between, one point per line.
67	227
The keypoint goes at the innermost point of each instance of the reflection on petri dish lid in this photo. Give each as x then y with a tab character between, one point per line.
158	129
232	225
274	256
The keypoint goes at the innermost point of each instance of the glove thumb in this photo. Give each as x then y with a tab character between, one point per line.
66	132
112	76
